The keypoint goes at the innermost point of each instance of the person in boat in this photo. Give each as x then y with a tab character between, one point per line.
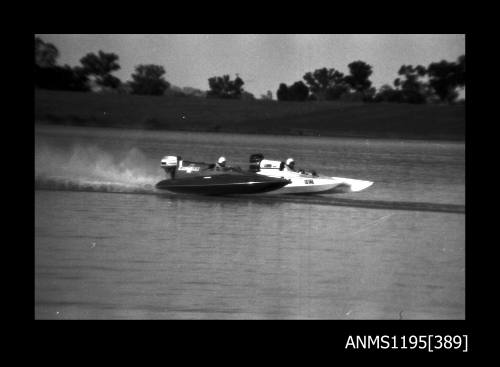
290	165
221	164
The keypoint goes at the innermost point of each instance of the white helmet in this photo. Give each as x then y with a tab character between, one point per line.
289	160
221	160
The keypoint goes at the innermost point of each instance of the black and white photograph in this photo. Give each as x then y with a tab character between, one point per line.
249	177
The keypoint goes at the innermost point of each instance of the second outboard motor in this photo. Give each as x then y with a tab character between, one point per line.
268	164
255	162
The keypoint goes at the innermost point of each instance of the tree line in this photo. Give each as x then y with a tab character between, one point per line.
438	82
94	73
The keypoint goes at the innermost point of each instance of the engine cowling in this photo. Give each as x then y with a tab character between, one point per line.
267	163
170	163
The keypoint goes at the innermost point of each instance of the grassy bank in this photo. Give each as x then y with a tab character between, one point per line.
264	117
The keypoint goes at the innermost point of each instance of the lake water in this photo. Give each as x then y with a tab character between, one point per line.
110	246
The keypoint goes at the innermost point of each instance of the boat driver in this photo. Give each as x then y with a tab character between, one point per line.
221	164
290	164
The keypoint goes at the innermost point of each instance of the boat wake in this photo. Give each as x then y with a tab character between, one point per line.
89	168
371	204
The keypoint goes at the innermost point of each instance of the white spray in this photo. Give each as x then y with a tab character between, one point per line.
91	168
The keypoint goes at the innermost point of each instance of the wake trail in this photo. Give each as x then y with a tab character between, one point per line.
90	168
374	204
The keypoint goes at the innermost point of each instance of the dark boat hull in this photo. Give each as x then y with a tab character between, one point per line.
222	184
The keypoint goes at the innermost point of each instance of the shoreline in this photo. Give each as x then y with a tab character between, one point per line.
340	135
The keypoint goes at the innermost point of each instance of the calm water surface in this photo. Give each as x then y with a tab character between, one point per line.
107	245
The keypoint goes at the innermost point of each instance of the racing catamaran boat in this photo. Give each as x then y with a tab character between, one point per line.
206	179
303	182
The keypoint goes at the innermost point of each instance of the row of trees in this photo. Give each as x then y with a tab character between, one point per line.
438	82
329	84
95	72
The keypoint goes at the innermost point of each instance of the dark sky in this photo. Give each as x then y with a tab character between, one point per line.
263	61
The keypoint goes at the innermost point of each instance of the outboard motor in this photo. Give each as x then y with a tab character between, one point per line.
169	163
268	164
255	160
